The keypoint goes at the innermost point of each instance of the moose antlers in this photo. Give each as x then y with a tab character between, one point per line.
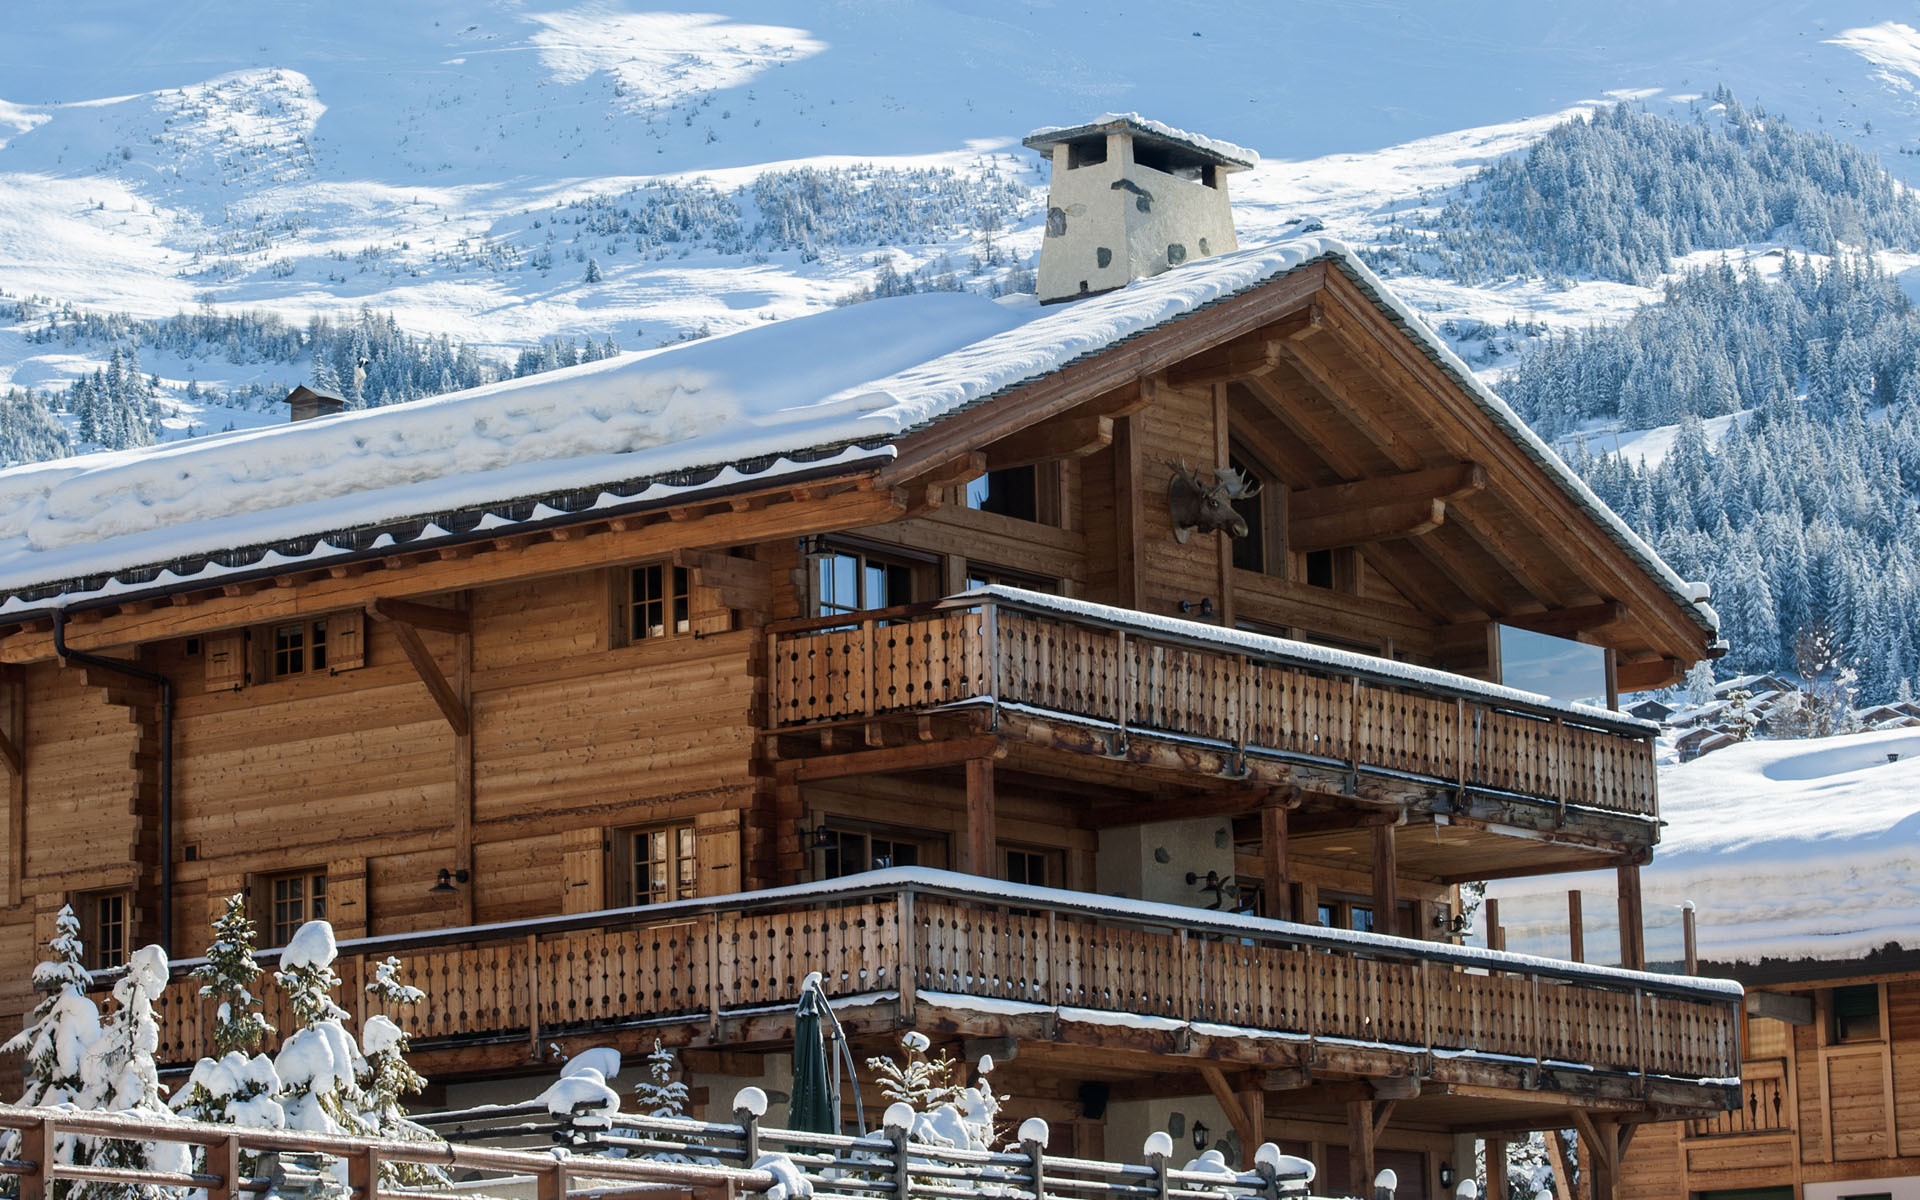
1208	507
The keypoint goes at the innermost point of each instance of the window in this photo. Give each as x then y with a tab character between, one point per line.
300	649
1029	493
851	851
1041	868
1250	552
849	581
659	601
656	864
103	928
293	899
980	575
1856	1013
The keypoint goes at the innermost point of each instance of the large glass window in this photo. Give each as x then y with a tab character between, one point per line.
851	851
1557	668
853	581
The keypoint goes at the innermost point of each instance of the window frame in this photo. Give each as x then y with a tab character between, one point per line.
1045	485
681	863
311	650
931	847
916	572
677	585
96	954
1838	1032
312	903
1053	862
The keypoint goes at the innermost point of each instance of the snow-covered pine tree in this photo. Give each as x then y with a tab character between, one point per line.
921	1082
1700	683
227	979
660	1094
56	1035
318	1064
386	1076
237	1086
118	1074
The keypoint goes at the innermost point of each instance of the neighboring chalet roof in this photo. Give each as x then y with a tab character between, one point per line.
831	393
1151	132
1789	850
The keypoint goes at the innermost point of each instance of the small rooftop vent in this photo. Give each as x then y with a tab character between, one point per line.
1131	198
310	402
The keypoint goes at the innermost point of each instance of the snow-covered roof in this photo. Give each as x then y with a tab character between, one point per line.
1792	849
831	390
1225	154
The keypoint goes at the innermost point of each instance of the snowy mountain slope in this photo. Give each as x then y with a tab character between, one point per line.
1753	831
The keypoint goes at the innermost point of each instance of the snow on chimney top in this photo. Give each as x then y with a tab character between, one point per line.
1130	198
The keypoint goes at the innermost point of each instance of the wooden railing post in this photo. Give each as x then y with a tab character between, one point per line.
870	666
363	1173
551	1183
909	961
37	1143
533	998
990	637
1122	663
713	974
223	1159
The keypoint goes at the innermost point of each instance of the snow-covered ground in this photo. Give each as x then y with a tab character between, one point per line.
1787	849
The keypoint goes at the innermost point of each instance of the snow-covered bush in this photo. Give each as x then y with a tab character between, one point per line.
386	1076
318	1064
118	1074
921	1082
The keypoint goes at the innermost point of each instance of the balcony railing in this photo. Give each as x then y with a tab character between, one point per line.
948	939
1244	691
1764	1104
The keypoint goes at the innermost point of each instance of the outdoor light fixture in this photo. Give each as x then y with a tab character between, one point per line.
1200	1133
822	838
444	885
1212	886
1203	606
1446	1175
1457	923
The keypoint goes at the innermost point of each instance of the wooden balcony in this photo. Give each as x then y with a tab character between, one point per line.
944	951
1261	703
1766	1106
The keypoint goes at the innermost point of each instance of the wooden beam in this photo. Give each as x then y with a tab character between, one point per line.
1386	886
1496	1169
429	671
914	757
1329	446
1277	879
982	840
1405	519
1229	1103
1434	483
1633	937
1074	437
1570	622
1576	928
424	616
1560	1158
1129	512
1380	430
10	754
1645	676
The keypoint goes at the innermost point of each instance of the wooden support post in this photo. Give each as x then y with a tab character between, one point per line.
1496	936
223	1159
463	762
1600	1147
1386	887
1222	452
13	804
1633	936
1129	515
1560	1159
981	838
1277	880
1496	1169
36	1147
1253	1102
1576	928
1237	1114
1690	933
1366	1121
363	1173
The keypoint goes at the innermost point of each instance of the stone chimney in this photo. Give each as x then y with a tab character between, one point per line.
1131	198
310	402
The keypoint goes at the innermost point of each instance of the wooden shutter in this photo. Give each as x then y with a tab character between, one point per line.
583	870
225	658
716	841
347	891
346	641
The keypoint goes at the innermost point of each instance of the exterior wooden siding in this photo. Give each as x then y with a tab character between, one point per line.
1812	1111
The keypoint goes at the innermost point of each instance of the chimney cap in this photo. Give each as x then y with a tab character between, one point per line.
1224	155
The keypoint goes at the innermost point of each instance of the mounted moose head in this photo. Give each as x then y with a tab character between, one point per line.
1207	508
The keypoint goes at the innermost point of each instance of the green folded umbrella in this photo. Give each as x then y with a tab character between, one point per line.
816	1104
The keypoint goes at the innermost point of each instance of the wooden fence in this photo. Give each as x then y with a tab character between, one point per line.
1765	1104
941	933
1250	693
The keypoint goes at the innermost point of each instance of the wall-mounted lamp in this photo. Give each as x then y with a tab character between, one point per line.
443	886
1213	886
1456	923
821	838
1203	606
1200	1134
815	548
1446	1175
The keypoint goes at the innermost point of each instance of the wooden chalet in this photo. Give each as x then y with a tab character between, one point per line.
1177	651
